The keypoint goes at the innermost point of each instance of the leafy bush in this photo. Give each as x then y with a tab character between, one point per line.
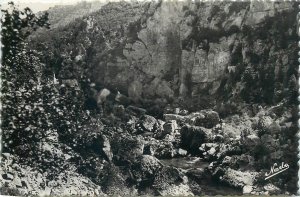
35	105
20	75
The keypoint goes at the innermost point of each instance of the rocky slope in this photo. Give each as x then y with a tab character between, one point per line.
130	153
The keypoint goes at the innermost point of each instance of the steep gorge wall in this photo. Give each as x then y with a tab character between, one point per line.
180	49
185	48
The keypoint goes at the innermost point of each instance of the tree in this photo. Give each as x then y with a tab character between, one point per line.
16	27
35	108
20	71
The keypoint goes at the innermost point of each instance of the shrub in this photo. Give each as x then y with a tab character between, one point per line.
35	105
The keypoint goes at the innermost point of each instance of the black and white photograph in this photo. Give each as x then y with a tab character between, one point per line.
149	98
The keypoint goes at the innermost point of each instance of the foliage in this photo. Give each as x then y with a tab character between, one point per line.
35	106
20	73
16	27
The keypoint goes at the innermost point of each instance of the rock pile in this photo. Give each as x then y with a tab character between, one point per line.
125	159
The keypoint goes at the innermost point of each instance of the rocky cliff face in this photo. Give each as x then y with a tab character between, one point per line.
181	49
195	46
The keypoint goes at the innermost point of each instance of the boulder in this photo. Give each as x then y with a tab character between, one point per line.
166	151
158	88
288	124
209	150
238	179
149	123
170	127
17	182
8	176
193	136
166	177
197	174
247	189
127	148
181	152
206	118
194	117
115	184
243	161
212	151
145	167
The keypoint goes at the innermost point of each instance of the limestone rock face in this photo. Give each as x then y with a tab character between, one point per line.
181	49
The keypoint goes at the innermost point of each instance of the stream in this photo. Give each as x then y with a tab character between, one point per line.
185	163
196	165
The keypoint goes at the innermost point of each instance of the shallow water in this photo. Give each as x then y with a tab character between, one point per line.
185	162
